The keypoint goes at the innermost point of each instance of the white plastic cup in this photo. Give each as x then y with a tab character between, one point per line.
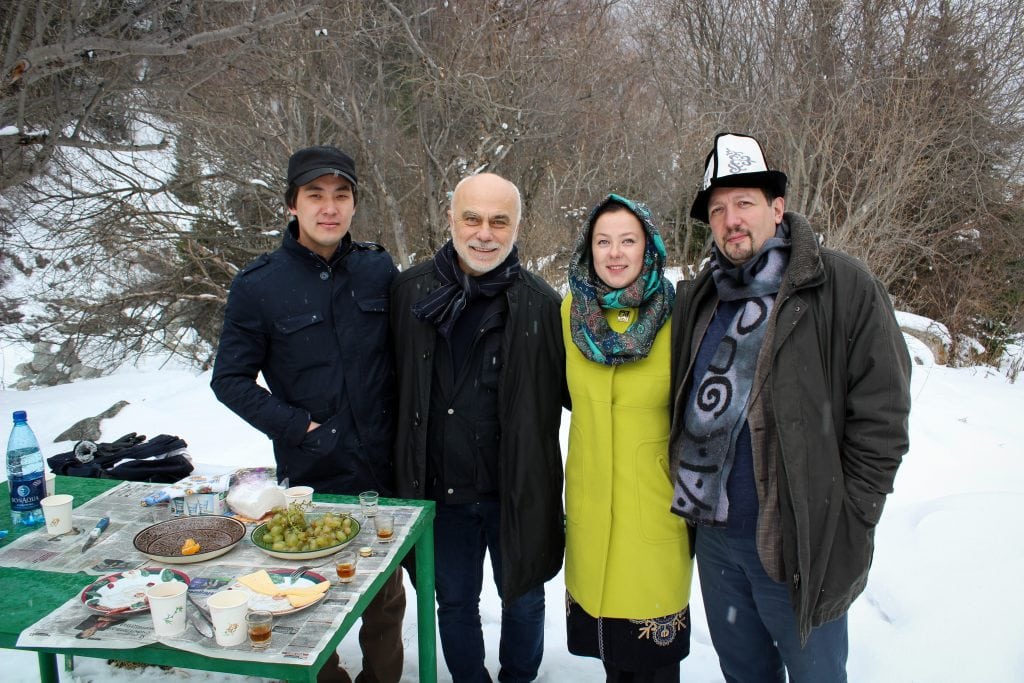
227	611
303	495
368	501
167	607
51	483
57	513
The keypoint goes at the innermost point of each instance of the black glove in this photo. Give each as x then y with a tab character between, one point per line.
131	447
127	441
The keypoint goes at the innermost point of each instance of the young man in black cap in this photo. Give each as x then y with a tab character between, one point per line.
312	316
790	405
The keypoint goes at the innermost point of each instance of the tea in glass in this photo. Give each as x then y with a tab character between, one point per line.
385	525
346	567
260	626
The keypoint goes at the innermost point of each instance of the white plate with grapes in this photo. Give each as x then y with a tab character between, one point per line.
297	535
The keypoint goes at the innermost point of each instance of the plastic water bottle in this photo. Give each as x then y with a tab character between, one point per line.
25	476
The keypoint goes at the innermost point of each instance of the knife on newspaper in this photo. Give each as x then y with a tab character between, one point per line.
204	625
96	531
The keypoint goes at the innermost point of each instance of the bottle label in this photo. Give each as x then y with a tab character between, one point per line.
27	491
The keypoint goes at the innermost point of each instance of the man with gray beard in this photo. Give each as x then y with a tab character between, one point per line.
481	368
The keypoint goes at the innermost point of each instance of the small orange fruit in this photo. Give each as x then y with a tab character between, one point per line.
190	547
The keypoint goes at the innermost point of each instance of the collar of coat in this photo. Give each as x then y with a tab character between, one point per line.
805	266
291	244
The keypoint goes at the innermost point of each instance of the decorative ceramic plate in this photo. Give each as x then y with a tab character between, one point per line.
124	593
215	535
278	604
259	532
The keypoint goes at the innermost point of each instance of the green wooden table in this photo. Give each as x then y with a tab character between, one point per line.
32	594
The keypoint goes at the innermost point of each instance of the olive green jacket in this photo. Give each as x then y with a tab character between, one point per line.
828	416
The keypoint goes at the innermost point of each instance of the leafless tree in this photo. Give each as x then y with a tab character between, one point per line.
898	122
71	71
150	138
83	203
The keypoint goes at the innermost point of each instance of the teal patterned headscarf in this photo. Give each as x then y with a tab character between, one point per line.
651	293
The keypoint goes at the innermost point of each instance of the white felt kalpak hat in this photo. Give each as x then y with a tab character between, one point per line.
736	161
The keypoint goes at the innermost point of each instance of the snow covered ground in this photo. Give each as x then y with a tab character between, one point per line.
943	603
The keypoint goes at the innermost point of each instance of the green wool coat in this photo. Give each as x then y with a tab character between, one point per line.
828	417
627	554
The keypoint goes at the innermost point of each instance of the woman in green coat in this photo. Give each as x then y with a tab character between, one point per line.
628	562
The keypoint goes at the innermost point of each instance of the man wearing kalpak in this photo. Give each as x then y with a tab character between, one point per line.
790	407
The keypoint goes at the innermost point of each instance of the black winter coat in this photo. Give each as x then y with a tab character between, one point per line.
833	394
531	385
318	332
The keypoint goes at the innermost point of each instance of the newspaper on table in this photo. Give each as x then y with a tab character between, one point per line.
115	550
297	637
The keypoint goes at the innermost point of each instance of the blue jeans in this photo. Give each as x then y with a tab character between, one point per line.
461	535
751	619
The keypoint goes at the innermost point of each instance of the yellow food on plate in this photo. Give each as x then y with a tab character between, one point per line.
302	600
190	547
260	582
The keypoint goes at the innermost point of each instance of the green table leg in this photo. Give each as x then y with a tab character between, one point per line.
48	668
425	606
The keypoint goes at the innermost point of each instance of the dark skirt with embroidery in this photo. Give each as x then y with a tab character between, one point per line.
628	644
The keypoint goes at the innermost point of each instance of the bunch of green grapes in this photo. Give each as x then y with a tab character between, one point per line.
288	530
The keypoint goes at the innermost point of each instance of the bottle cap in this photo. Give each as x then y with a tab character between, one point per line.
20	416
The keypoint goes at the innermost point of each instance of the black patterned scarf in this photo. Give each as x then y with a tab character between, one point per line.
443	306
651	293
717	409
